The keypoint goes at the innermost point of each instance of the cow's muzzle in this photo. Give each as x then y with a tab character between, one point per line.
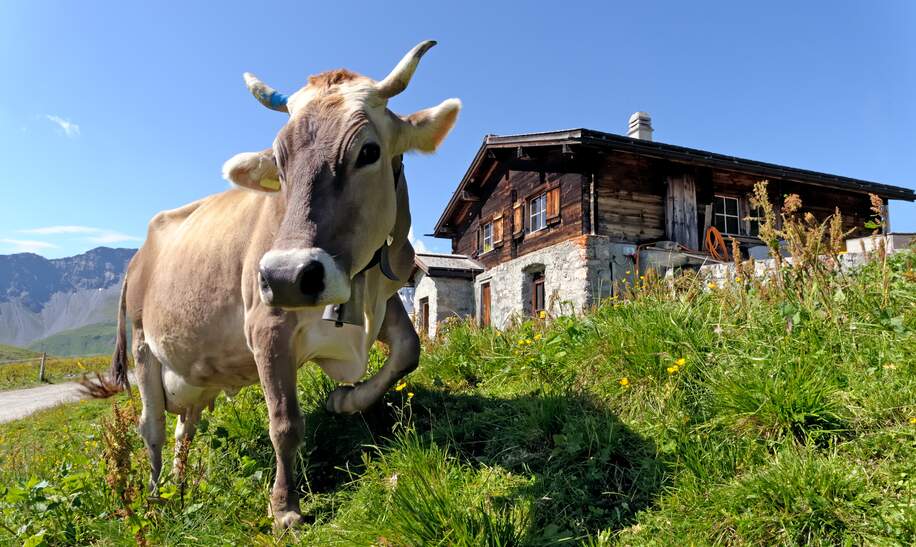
300	278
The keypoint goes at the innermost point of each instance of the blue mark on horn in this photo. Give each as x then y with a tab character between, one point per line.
277	99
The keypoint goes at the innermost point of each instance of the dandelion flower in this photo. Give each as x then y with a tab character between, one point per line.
913	420
681	362
738	280
624	381
711	285
628	272
537	336
400	386
542	314
521	341
409	395
528	342
673	370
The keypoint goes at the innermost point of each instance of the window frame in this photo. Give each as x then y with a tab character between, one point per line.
540	213
725	215
486	240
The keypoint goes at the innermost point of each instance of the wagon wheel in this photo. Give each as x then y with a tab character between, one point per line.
715	244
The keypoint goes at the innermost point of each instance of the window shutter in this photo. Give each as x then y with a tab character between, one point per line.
497	229
479	240
553	203
518	219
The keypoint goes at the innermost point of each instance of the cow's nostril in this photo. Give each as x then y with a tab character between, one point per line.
311	278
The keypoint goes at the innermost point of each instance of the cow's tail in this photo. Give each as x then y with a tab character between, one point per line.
101	387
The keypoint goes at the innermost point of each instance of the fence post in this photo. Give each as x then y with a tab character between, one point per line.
41	367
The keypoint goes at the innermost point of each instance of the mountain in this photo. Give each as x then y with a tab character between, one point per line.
95	339
12	353
41	297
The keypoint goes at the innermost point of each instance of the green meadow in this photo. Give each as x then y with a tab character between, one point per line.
773	412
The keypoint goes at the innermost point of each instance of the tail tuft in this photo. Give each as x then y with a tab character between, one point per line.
102	387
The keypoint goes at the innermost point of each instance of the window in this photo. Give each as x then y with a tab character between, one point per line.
537	293
487	241
754	221
727	215
537	216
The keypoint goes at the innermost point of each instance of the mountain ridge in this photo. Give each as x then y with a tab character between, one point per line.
40	297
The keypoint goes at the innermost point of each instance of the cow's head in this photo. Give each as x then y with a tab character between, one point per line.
332	166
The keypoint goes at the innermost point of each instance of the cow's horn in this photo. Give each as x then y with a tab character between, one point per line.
266	95
398	79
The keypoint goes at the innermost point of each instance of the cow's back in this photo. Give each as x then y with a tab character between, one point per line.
185	285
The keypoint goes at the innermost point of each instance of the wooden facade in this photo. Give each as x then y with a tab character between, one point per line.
626	190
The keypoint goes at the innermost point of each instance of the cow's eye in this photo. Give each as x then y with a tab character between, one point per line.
368	154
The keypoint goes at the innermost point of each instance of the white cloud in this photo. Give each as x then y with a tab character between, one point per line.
418	244
27	245
69	128
106	236
93	235
62	230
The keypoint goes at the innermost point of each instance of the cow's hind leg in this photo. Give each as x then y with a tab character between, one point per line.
404	345
152	393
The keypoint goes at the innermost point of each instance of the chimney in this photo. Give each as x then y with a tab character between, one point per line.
640	126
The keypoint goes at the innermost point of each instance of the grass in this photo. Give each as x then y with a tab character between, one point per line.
748	413
11	353
57	370
92	339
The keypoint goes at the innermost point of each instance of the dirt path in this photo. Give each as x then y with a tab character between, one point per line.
19	403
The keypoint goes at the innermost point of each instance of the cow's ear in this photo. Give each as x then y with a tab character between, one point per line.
253	171
425	130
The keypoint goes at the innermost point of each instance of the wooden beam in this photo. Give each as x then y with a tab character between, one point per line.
467	196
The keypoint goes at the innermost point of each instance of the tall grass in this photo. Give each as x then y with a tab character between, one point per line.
773	411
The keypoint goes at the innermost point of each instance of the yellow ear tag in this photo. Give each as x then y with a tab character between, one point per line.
270	184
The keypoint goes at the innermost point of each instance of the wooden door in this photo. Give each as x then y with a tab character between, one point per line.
485	305
424	317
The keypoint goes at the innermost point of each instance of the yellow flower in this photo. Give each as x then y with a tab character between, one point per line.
409	395
681	362
737	280
673	370
528	341
628	272
521	341
624	381
711	285
400	386
542	314
537	336
913	420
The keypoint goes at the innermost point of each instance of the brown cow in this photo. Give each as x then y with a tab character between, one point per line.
232	289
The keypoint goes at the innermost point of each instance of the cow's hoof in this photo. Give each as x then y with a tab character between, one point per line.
283	520
337	401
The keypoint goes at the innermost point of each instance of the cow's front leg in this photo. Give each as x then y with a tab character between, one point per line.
404	355
269	338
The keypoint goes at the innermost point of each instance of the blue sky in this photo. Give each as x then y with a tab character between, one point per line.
112	111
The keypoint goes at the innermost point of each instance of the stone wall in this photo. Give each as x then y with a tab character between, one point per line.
566	282
448	297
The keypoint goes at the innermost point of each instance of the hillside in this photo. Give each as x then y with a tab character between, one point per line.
9	353
95	339
40	297
750	413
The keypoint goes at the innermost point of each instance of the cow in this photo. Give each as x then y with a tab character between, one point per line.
301	261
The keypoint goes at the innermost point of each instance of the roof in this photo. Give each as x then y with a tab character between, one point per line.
447	265
597	139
